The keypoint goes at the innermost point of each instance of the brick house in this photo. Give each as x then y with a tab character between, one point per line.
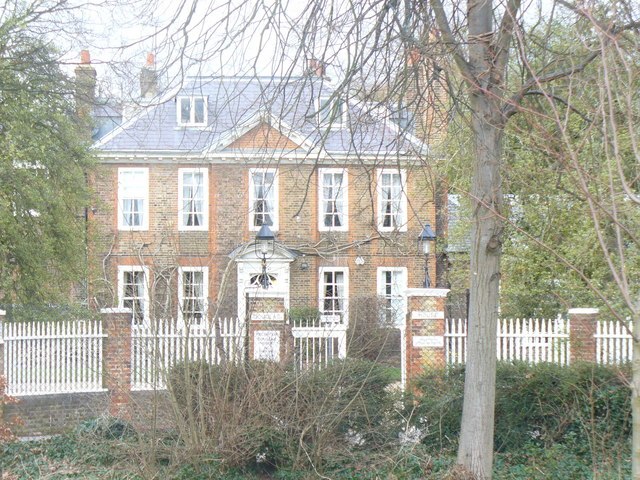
184	186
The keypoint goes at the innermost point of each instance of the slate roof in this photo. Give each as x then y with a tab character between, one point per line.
289	105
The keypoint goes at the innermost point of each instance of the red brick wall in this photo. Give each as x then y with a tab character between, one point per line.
163	247
418	358
117	360
581	334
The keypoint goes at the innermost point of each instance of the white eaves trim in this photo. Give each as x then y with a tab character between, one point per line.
320	158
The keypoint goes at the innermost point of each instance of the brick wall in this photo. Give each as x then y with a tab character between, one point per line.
162	248
50	414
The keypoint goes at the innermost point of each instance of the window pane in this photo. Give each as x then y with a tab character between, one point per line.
333	293
193	199
132	191
263	198
199	110
193	297
133	294
185	110
391	195
393	308
332	199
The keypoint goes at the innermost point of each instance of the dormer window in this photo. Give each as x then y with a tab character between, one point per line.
403	117
192	111
330	112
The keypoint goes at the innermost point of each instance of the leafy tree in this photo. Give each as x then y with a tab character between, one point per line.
43	160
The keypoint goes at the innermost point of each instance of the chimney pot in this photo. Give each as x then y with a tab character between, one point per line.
315	67
85	57
149	78
414	56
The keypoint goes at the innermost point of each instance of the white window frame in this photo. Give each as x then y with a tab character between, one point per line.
205	199
122	269
121	197
402	297
181	298
402	227
344	190
252	199
325	120
322	286
192	111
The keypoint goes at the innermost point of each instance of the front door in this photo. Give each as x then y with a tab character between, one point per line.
251	282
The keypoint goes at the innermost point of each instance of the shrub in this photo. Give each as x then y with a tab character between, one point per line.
586	406
263	415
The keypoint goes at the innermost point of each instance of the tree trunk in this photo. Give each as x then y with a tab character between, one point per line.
475	451
635	401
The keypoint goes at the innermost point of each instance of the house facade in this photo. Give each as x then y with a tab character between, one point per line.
184	186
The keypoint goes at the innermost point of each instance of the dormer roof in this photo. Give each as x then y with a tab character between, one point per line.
283	112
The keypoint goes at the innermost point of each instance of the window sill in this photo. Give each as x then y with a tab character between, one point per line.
133	229
204	228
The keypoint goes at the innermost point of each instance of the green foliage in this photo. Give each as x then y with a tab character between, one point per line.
39	312
43	160
585	408
303	315
534	462
109	428
559	175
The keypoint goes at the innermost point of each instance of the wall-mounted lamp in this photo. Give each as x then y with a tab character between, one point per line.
424	246
304	265
264	249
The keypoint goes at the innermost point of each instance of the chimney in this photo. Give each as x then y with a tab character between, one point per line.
315	67
85	86
149	78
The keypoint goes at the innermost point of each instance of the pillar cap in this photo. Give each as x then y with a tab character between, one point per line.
584	311
427	292
116	310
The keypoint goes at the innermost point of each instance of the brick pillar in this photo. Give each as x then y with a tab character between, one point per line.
425	330
581	334
268	335
117	360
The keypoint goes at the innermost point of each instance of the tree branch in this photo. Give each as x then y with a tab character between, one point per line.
505	35
515	99
451	43
555	97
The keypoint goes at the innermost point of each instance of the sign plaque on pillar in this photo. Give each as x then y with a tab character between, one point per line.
266	345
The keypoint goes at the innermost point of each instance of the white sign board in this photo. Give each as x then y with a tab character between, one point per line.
433	342
422	315
266	345
268	316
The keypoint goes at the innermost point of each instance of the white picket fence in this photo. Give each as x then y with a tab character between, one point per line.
157	348
316	346
532	340
53	357
67	356
614	343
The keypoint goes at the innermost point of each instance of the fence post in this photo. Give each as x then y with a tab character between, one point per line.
268	337
3	317
425	330
117	360
581	334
